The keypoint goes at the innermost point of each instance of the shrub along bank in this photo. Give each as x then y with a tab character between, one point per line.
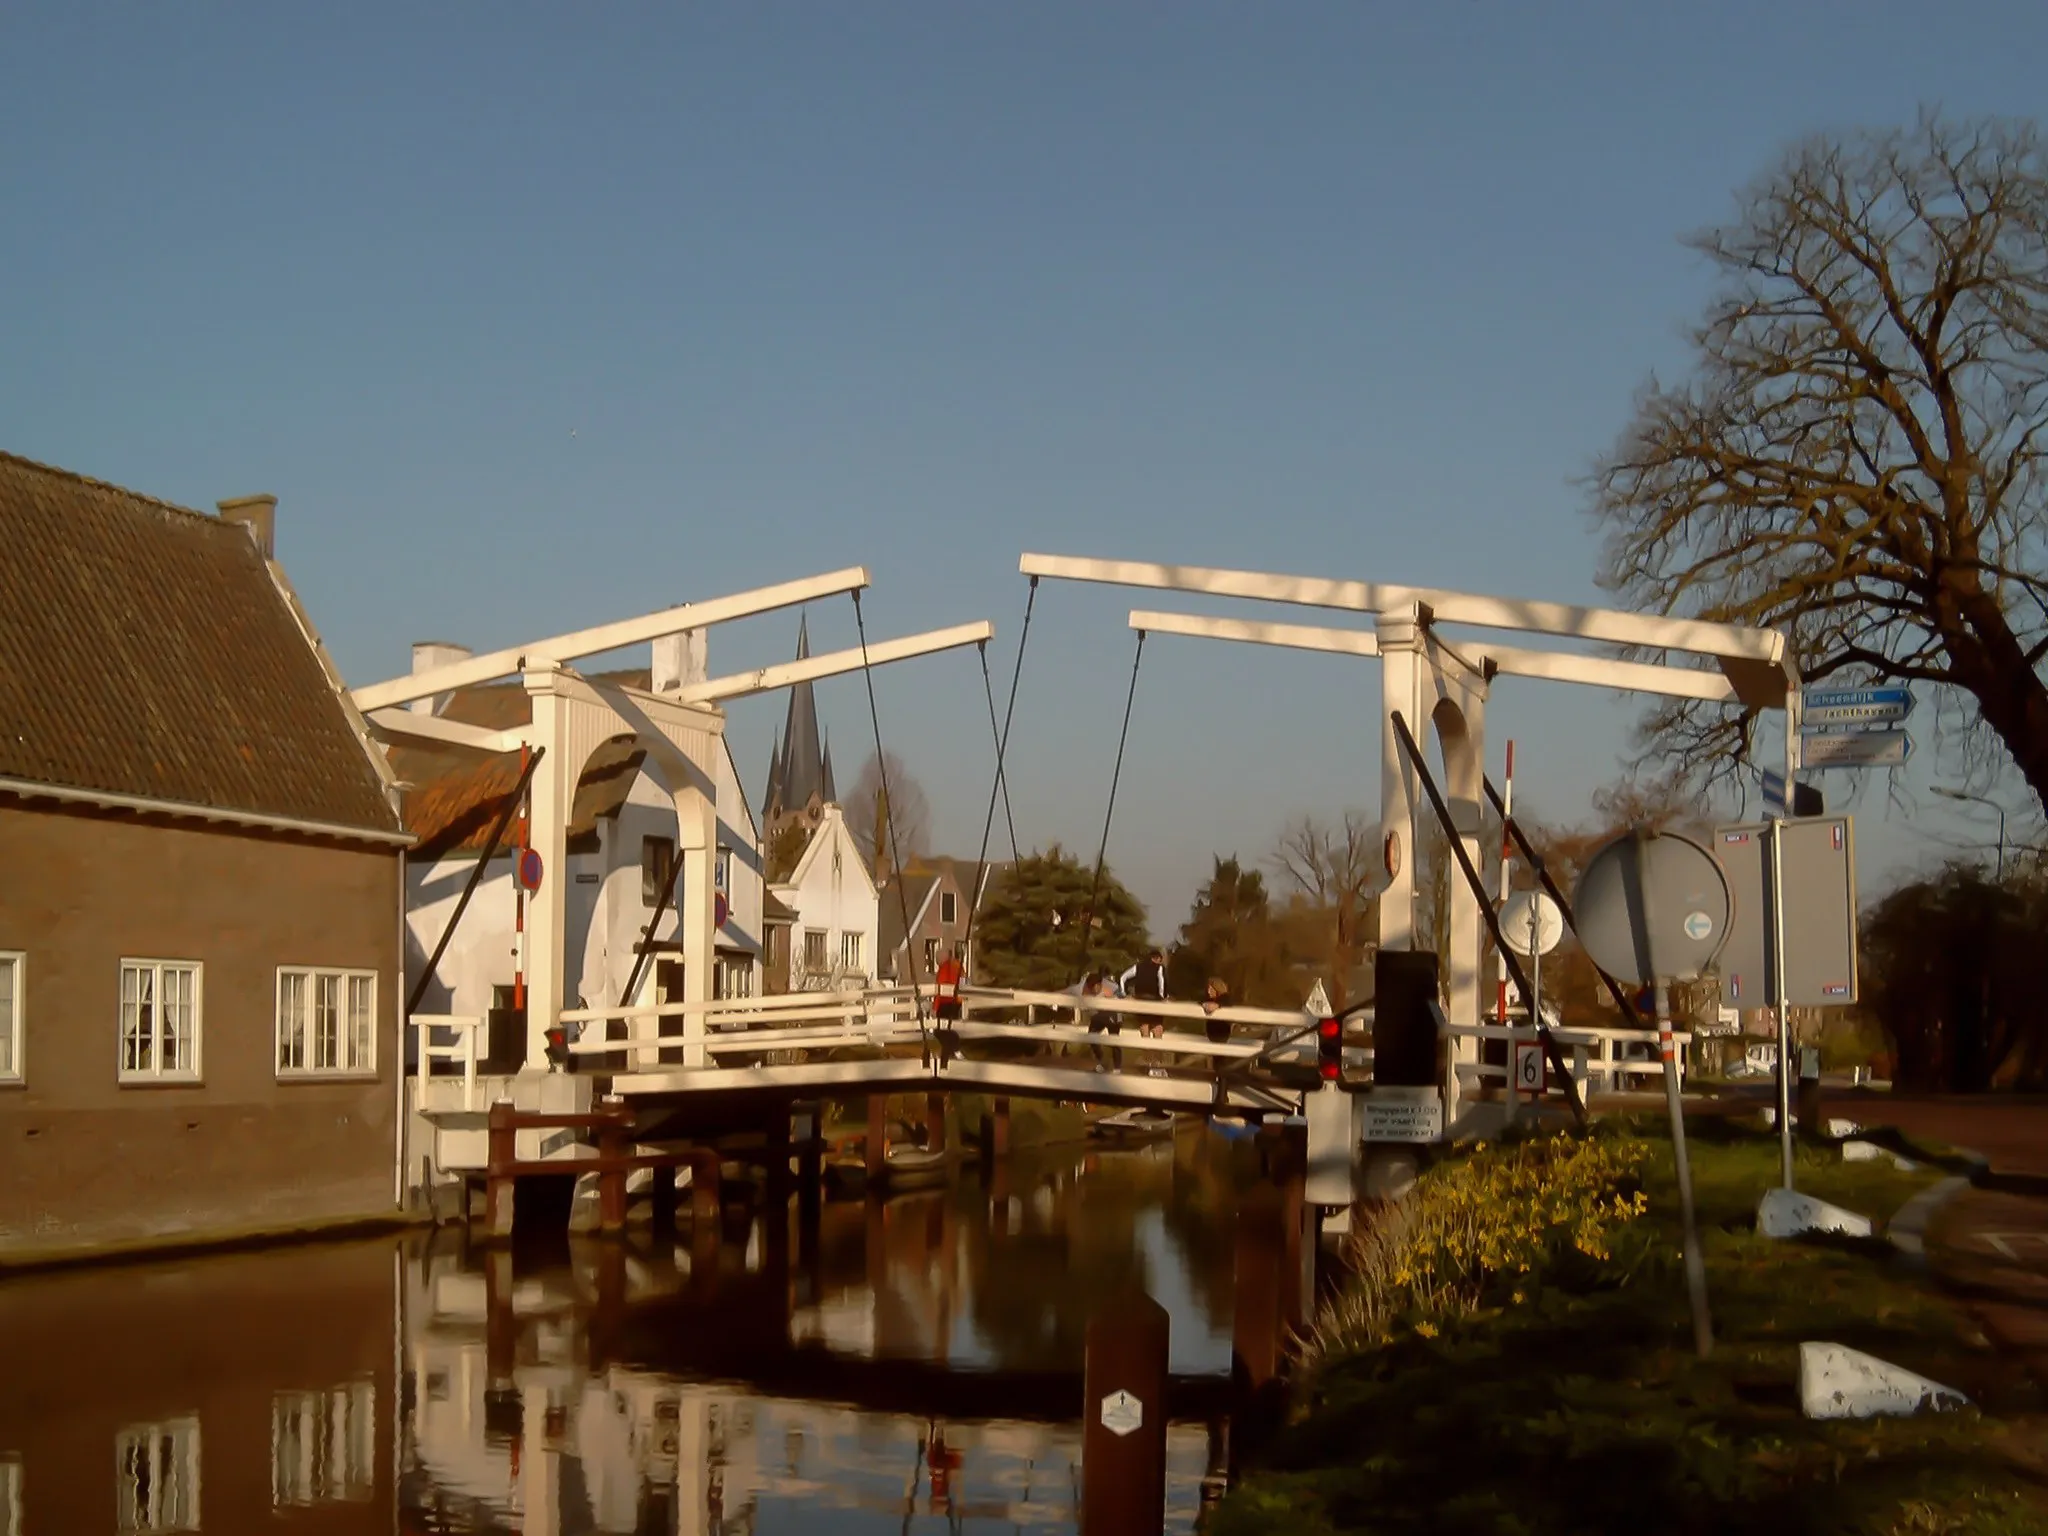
1512	1353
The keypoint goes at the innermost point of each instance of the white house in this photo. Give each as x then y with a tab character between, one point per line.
834	938
622	839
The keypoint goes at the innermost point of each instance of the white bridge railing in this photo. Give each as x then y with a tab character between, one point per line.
697	1034
466	1027
1601	1060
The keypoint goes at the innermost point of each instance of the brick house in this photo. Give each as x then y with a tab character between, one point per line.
200	885
934	895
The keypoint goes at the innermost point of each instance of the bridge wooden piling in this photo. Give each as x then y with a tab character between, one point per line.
1123	1419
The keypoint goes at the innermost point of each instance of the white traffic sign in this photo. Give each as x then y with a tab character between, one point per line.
1531	923
1858	749
1830	708
1529	1068
1122	1414
1318	1001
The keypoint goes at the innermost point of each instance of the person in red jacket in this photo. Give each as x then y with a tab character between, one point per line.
946	995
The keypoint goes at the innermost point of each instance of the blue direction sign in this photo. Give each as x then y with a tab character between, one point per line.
1828	709
1857	749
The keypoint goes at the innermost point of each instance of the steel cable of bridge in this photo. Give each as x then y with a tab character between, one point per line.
1001	785
1102	850
895	848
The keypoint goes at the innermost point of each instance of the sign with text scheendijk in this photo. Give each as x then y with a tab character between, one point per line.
1403	1114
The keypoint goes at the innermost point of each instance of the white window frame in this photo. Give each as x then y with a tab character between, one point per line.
721	873
355	1051
12	1035
157	969
166	1497
849	952
323	1446
657	853
824	952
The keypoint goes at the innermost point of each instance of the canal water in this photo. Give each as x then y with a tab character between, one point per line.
906	1365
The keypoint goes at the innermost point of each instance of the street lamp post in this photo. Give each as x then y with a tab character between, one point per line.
1957	794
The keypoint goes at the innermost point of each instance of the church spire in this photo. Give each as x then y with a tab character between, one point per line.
803	766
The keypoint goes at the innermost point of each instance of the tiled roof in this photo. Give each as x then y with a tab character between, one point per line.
145	652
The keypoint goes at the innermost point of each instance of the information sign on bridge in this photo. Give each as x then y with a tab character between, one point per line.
1403	1114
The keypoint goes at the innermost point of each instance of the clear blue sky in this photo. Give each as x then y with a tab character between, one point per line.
534	316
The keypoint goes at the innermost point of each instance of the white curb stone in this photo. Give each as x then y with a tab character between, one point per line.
1836	1382
1871	1152
1787	1213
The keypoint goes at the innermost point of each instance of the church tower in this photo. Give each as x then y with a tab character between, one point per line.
800	772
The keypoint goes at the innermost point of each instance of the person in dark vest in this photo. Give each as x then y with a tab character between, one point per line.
1147	979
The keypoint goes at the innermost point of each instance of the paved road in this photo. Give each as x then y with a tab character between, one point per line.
1989	1243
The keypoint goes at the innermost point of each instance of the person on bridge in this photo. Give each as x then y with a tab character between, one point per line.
1216	995
946	992
1105	986
1147	979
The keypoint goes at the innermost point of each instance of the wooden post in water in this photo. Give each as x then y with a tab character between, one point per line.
878	1139
776	1154
611	1174
1123	1423
707	1215
1258	1394
935	1122
501	1152
661	1199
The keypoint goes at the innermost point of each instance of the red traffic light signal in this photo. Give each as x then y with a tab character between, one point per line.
1330	1049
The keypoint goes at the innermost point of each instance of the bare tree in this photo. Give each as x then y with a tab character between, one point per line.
891	828
1335	872
1857	456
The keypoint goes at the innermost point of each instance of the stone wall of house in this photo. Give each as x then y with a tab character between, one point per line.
91	1161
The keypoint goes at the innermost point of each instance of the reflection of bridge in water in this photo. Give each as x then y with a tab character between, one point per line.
900	1357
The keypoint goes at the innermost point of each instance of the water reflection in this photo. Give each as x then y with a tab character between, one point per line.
897	1366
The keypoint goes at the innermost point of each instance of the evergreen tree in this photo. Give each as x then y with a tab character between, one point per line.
1230	933
1030	933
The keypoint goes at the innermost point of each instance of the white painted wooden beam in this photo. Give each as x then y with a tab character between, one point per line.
608	637
1557	666
1627	676
784	674
1300	637
386	724
1563	619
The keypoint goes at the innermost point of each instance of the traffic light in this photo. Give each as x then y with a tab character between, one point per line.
1330	1049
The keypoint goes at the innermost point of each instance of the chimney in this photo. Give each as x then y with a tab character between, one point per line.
427	655
258	514
679	660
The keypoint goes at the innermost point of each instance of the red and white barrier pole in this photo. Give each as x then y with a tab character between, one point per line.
1507	854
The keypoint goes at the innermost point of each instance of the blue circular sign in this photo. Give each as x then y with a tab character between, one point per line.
530	869
720	910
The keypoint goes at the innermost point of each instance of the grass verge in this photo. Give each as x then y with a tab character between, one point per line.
1582	1407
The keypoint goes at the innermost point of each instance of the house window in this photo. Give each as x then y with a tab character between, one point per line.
814	949
849	952
323	1445
159	1020
949	908
657	867
156	1477
326	1021
735	976
931	954
10	1021
722	872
